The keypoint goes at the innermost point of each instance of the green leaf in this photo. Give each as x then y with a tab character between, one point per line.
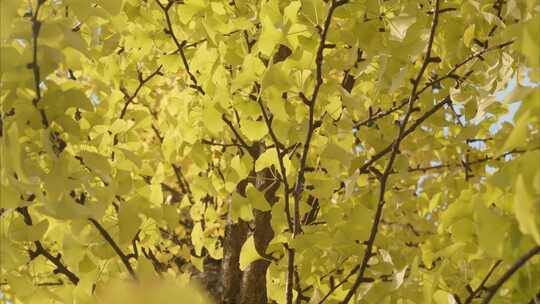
120	126
291	11
276	103
128	221
248	253
197	238
362	180
492	230
271	35
257	199
399	277
518	137
241	208
212	120
8	12
469	35
399	26
241	165
443	297
267	159
253	130
9	197
526	210
97	162
86	265
401	163
112	6
171	63
190	9
20	231
198	263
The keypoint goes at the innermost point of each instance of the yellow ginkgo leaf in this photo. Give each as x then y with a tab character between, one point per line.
129	222
518	137
254	130
526	210
399	26
248	254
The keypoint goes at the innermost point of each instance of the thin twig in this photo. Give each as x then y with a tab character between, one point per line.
243	143
311	104
142	82
180	178
412	128
472	162
299	186
451	73
40	250
515	267
124	258
329	293
482	285
379	115
180	46
395	148
34	65
182	182
129	98
280	155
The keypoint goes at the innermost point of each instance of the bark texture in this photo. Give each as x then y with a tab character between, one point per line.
253	290
249	286
231	275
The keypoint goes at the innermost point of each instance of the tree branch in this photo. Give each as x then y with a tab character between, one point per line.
280	156
412	128
380	115
383	180
40	250
473	162
142	82
248	149
335	287
58	144
286	191
129	99
299	186
517	265
451	73
182	182
36	26
124	258
482	285
180	178
311	104
180	46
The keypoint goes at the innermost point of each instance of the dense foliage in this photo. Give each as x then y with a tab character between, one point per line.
338	151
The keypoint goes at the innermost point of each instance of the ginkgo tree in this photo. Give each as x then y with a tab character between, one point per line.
309	151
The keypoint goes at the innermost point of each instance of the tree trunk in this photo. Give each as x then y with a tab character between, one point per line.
231	275
254	279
